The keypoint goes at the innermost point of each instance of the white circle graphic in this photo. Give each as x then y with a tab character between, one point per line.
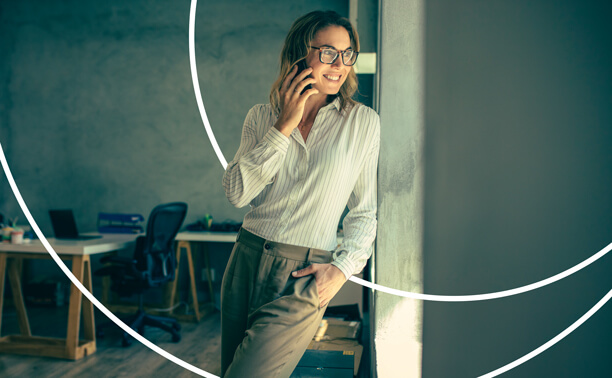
407	294
82	288
419	296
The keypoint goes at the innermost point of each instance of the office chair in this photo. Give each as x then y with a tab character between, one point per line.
153	264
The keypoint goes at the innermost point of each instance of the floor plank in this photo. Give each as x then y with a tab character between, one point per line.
200	346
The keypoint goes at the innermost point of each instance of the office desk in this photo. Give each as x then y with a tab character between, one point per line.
184	240
78	252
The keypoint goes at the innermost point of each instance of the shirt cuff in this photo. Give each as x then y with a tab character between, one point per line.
343	262
277	140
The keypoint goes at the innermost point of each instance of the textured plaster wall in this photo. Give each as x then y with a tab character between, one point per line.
518	184
398	263
506	128
97	109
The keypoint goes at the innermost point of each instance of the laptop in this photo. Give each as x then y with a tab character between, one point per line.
64	226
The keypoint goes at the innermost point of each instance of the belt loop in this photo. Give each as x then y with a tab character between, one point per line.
238	235
308	255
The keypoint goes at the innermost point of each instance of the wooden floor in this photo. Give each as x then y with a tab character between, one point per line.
200	346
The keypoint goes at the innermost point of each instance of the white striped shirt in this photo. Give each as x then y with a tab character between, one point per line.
298	190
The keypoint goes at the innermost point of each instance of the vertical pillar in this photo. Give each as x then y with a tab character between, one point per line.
397	322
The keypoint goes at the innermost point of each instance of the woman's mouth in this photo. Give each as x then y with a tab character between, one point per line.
334	78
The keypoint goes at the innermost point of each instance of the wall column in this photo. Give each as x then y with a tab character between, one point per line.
397	322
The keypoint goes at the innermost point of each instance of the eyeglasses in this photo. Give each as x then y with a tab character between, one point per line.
328	55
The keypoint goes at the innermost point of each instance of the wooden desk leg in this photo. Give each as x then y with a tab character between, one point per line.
194	291
2	278
22	314
89	325
184	244
74	309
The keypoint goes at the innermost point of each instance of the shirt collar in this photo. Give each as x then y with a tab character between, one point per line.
335	104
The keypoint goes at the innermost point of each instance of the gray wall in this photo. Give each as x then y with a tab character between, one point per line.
98	112
518	183
397	322
98	109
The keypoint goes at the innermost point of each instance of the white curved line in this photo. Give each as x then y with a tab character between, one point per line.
552	341
82	288
385	289
203	373
196	84
442	298
482	297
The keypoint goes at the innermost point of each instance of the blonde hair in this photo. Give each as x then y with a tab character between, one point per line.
297	46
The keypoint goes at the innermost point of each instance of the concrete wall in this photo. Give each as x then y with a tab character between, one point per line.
518	183
397	322
98	103
516	108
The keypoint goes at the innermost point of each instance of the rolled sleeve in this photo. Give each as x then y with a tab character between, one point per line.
346	264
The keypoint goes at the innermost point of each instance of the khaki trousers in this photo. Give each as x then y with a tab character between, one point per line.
268	318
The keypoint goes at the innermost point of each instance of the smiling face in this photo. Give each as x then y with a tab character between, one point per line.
321	29
329	77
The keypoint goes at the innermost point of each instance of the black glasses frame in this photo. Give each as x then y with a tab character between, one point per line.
338	53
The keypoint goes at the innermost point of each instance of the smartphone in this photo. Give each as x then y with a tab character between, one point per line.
301	67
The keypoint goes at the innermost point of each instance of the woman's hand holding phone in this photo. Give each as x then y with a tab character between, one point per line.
293	96
301	66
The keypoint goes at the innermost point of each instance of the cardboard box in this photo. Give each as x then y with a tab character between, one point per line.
347	347
340	329
334	351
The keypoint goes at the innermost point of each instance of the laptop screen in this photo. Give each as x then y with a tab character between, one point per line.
64	225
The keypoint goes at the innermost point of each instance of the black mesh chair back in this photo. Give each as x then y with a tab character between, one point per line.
158	258
153	263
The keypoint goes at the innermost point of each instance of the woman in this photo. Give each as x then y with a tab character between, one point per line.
302	159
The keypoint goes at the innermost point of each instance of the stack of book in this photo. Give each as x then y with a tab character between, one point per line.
115	223
335	350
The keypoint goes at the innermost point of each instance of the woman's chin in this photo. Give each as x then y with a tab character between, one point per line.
329	91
